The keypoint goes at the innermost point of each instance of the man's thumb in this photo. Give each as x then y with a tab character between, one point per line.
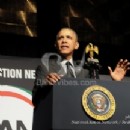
109	68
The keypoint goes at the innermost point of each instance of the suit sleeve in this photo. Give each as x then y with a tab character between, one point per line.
38	90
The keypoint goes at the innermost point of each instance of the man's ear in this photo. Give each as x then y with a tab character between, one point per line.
77	45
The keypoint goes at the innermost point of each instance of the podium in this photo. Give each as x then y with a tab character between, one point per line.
62	109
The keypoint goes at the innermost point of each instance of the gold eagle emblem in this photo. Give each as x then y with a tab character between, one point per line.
90	48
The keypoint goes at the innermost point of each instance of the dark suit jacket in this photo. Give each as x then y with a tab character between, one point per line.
40	90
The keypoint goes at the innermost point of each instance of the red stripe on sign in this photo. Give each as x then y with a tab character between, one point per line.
16	95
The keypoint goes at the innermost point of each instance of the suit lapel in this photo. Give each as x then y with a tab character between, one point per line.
78	69
56	67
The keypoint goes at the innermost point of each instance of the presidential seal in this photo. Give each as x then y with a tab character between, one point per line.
98	102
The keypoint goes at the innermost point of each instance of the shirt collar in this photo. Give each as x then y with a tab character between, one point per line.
63	62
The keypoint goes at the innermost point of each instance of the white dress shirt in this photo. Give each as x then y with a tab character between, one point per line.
63	64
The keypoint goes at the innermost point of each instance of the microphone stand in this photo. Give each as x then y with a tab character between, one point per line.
93	66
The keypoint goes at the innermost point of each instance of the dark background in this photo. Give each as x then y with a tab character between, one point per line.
104	23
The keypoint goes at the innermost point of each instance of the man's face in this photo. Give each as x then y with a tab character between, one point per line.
66	42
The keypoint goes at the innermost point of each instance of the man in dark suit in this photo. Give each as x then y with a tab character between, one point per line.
66	43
